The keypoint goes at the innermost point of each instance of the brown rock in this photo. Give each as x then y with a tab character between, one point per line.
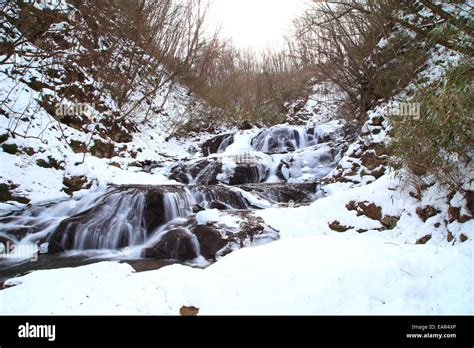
103	150
377	121
245	125
188	311
390	222
75	183
336	226
29	151
426	212
120	134
380	149
454	214
450	236
372	211
415	195
6	194
469	196
463	238
377	173
423	240
78	146
116	165
351	206
371	161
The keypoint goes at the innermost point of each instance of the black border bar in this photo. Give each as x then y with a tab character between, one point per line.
161	331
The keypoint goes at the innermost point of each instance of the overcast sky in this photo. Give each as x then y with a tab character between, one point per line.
255	24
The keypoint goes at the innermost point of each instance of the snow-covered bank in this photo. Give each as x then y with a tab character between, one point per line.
393	200
333	274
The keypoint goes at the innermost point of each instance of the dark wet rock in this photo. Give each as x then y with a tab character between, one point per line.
145	265
245	125
217	144
147	165
203	172
7	193
206	172
218	205
283	170
176	244
210	240
215	239
197	208
11	149
244	174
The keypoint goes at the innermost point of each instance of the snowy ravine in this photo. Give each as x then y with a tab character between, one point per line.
311	269
303	218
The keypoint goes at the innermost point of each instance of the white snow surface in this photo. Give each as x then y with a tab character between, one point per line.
333	274
209	215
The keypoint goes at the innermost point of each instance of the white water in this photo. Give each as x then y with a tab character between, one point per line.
115	219
285	139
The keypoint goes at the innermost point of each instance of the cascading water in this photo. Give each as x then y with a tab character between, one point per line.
122	217
284	139
225	143
115	222
293	154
